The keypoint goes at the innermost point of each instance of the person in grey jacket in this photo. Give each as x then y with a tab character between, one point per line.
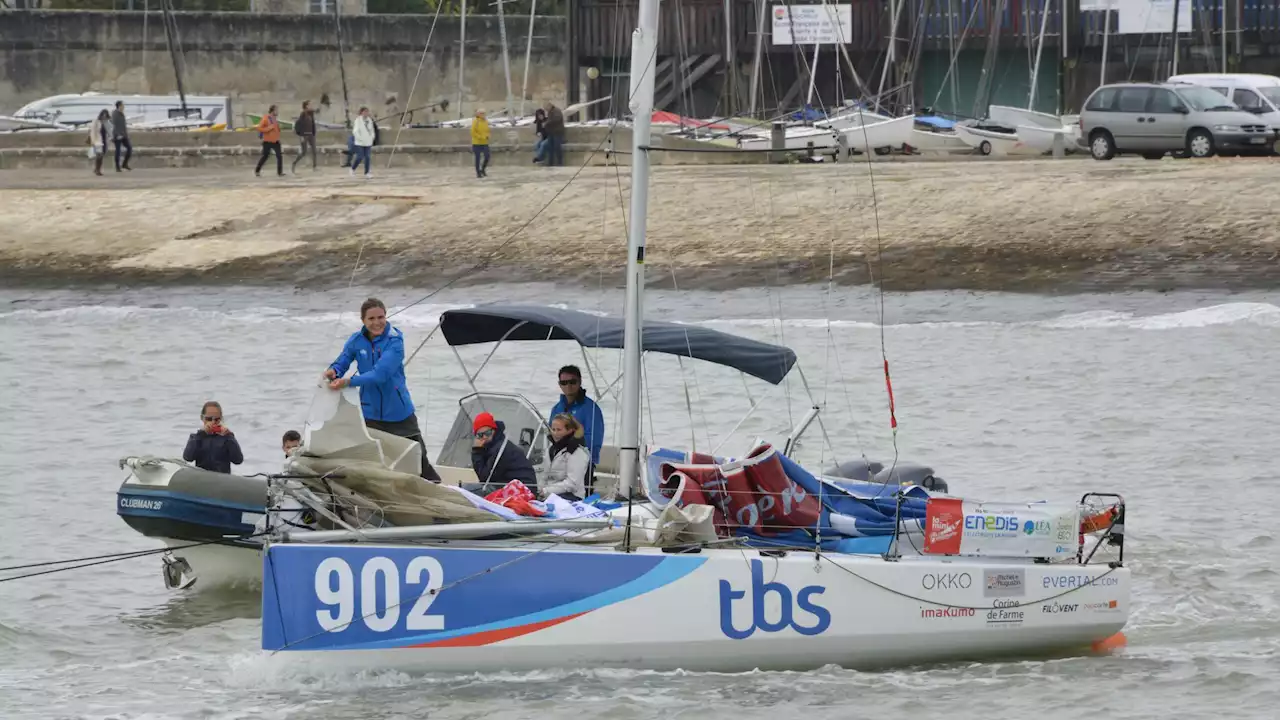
120	132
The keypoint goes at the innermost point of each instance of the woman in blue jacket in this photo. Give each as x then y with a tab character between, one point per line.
378	352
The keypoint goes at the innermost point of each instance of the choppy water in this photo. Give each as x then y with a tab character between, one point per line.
1170	399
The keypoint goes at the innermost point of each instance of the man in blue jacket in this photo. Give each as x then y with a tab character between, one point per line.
378	352
574	400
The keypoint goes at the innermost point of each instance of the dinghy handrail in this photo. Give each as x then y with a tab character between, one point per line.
458	531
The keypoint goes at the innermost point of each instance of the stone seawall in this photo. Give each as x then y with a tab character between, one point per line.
426	147
258	59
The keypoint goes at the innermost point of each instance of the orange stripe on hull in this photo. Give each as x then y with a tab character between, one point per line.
492	636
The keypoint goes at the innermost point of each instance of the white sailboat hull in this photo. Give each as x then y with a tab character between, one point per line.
465	609
989	142
796	139
1013	117
852	119
928	141
1041	139
887	133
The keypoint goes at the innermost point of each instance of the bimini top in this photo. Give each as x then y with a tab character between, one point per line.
497	322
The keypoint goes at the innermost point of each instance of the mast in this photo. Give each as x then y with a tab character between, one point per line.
506	59
761	7
1106	42
170	30
1035	72
895	9
644	50
528	52
342	67
462	56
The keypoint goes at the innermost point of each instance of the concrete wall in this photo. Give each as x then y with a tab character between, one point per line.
262	59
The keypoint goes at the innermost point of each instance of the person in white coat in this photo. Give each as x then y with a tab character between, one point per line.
363	133
566	474
99	131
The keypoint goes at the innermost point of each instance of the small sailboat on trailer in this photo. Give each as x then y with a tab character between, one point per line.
728	565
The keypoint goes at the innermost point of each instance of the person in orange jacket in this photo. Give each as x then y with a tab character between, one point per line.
269	128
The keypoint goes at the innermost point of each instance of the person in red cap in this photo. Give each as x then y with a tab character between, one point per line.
496	460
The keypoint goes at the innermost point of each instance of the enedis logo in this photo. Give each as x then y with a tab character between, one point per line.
984	524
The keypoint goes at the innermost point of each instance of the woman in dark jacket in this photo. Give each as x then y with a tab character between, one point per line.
539	134
495	460
213	447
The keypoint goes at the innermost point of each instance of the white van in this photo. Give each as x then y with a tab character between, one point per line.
1257	94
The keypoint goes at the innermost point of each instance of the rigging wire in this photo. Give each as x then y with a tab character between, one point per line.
94	560
408	103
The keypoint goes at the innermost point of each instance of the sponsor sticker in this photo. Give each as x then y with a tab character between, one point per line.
1010	582
947	612
944	518
946	581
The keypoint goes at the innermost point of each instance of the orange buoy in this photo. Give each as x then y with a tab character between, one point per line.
1115	642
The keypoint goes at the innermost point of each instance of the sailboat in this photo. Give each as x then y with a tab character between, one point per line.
722	565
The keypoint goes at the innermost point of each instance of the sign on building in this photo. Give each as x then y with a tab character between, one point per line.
1152	17
813	24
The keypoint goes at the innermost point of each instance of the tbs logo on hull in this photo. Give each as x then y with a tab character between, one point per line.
816	618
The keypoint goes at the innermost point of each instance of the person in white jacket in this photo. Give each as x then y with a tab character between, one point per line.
566	474
363	134
99	131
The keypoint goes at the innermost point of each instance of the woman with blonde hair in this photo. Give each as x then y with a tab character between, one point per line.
570	461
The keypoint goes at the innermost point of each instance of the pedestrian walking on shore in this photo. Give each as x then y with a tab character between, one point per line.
554	128
540	135
99	132
269	127
120	133
305	127
480	143
363	134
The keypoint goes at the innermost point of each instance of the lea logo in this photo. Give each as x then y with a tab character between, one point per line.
820	616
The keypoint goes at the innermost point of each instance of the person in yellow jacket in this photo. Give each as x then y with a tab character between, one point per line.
480	143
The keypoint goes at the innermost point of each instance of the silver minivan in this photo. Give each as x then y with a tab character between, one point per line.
1152	119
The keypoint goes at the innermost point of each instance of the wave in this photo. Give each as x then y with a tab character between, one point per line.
427	316
1262	314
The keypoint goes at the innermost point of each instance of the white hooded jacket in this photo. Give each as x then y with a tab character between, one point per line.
363	132
567	473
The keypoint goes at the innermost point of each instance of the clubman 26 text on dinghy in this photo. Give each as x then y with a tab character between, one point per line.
727	565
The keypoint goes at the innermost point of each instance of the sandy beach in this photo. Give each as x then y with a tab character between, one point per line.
1035	225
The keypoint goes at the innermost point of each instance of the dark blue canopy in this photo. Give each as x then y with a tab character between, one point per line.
497	322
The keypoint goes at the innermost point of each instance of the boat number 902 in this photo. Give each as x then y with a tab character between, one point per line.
336	590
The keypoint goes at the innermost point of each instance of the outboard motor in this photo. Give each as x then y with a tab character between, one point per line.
860	469
903	473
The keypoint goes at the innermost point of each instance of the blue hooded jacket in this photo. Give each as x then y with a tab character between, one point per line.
384	395
588	415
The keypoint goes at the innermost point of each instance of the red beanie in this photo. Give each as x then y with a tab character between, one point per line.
483	420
